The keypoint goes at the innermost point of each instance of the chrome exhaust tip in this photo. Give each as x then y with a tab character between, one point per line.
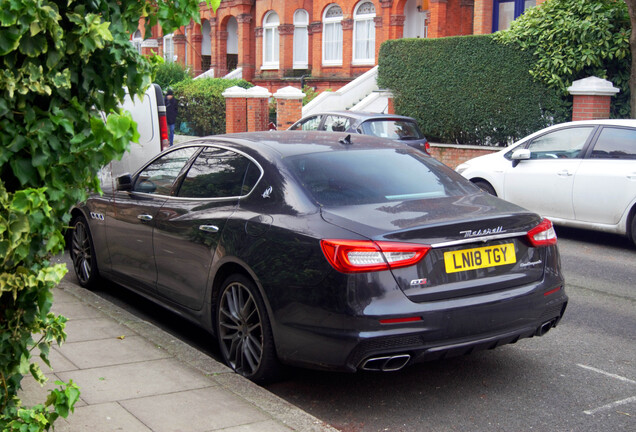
386	364
545	327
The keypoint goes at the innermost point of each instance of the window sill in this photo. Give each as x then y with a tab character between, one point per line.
270	67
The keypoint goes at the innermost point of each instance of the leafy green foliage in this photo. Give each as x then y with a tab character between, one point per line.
168	74
467	89
201	105
574	39
54	89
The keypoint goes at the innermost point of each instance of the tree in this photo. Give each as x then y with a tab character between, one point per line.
574	39
53	140
631	7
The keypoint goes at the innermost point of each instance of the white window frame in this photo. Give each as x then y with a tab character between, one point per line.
335	23
364	19
271	41
301	39
137	40
168	48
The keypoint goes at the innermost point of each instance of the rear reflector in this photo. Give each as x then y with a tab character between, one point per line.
543	234
354	256
400	320
552	291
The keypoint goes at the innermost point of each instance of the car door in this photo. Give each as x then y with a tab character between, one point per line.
605	183
189	225
544	182
130	232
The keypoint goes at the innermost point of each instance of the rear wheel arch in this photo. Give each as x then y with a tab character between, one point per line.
631	225
484	185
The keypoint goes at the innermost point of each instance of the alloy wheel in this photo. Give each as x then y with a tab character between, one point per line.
82	253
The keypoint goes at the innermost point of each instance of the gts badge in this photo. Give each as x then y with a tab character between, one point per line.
419	282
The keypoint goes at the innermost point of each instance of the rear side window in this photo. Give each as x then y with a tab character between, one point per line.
392	129
337	123
310	124
373	176
615	143
217	173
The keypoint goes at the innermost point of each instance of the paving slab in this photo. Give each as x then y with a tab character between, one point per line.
200	410
113	351
107	417
97	328
135	380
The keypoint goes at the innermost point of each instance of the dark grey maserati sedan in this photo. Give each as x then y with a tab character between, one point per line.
323	250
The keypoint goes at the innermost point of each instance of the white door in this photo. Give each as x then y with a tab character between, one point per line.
605	184
544	183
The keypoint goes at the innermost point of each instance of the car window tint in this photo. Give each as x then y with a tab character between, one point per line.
563	143
392	129
159	177
615	143
309	124
336	123
216	173
373	176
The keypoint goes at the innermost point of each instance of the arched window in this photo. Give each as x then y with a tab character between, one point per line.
168	48
364	33
137	40
270	40
332	36
301	39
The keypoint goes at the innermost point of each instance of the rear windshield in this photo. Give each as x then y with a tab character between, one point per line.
374	176
392	129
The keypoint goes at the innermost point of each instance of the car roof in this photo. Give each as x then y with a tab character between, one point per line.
361	115
291	143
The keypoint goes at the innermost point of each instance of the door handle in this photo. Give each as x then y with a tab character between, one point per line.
209	228
564	173
144	217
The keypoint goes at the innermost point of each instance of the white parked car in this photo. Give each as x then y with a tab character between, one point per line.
580	174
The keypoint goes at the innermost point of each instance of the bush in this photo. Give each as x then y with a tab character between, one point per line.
168	74
201	105
468	89
574	39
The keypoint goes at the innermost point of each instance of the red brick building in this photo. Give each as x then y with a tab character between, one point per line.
330	42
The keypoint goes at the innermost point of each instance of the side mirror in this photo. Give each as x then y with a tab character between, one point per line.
519	155
124	182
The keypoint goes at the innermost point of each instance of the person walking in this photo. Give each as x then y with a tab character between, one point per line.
172	109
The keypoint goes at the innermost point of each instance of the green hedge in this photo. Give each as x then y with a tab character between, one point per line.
168	74
468	89
201	105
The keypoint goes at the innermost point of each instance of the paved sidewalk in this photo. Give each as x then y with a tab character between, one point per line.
135	377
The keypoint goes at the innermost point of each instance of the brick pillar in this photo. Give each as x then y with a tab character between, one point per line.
289	106
245	33
179	48
195	59
390	109
235	109
257	109
437	26
482	20
592	98
286	48
347	45
315	51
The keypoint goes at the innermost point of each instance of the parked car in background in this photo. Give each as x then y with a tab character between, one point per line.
149	112
391	126
307	249
580	174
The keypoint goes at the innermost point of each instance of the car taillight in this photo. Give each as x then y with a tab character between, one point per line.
163	130
354	256
543	234
427	147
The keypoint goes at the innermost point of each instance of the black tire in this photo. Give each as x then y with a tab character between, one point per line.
83	253
485	186
634	228
244	331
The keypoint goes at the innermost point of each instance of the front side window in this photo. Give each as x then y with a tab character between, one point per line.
301	39
217	173
158	178
310	124
270	40
168	48
561	144
332	36
364	33
615	143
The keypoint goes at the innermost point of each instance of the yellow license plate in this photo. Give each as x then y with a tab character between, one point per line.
483	257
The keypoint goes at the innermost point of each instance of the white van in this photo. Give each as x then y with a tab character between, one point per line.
150	115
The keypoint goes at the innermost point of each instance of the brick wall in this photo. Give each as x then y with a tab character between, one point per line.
591	107
453	155
235	115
